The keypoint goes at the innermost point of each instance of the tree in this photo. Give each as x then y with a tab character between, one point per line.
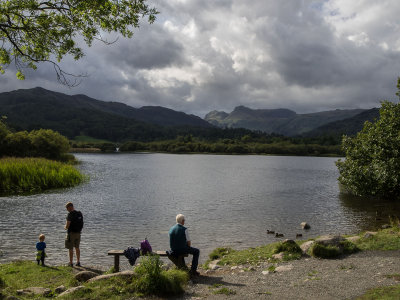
33	31
48	143
372	165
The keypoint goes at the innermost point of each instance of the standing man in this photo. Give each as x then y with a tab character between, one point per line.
180	243
74	227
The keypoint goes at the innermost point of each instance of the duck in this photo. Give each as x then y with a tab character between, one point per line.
270	231
279	235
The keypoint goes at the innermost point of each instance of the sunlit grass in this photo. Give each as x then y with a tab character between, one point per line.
28	175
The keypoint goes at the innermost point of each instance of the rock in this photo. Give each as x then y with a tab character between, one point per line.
385	226
305	225
35	291
60	289
252	269
329	240
306	246
214	264
353	238
265	272
234	267
368	234
71	290
278	256
128	274
85	275
283	268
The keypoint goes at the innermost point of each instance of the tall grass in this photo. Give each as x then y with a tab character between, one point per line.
26	175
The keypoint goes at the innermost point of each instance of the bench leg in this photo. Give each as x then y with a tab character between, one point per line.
179	261
116	263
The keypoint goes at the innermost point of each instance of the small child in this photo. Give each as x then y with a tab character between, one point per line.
40	246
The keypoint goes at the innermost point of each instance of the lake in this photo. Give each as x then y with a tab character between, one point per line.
228	200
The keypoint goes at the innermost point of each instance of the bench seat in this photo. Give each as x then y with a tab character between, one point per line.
179	261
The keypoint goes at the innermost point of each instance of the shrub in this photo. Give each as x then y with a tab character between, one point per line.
288	247
150	279
218	253
325	251
349	247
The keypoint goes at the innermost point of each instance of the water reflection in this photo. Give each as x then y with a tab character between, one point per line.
367	212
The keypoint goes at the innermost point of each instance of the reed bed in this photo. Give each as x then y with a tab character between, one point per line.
30	175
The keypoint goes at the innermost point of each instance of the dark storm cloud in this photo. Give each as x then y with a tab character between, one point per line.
201	55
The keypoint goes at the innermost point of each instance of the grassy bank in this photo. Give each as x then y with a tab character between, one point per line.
149	279
27	175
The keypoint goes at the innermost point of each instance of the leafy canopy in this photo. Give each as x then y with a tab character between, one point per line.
372	165
33	31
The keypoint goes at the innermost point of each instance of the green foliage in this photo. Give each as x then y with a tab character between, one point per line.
387	239
224	291
382	293
24	274
325	251
349	247
26	175
151	279
37	143
290	249
372	165
218	253
33	31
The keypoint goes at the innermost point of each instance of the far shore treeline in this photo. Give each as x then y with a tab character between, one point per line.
220	141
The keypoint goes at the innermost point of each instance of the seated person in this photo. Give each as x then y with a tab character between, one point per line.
180	243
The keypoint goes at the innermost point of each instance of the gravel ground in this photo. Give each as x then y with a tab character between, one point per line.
307	278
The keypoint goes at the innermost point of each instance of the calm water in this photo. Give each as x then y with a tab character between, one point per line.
227	200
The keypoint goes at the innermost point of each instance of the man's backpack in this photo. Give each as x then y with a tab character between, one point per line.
145	247
76	221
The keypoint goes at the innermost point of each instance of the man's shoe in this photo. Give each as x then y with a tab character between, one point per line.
78	264
70	265
194	273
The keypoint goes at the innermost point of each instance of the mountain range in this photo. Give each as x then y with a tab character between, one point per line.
28	109
289	123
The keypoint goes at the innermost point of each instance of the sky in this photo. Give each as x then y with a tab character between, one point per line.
200	56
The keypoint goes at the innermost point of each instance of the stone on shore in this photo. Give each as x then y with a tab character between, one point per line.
60	289
128	274
330	240
305	225
35	291
71	290
213	265
85	275
369	234
283	268
278	256
306	246
353	239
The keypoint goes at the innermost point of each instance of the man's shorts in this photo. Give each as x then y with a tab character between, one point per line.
72	240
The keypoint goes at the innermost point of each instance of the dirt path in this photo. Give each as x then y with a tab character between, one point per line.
307	278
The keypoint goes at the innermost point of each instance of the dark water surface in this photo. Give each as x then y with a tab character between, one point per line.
227	200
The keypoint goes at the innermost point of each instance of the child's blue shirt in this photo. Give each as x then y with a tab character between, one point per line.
40	246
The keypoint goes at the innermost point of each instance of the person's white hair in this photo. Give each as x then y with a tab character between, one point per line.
180	218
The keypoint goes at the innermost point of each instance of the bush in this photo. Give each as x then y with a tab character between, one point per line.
150	279
325	251
289	247
349	247
218	253
372	165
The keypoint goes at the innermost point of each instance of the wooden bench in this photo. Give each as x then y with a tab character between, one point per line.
178	261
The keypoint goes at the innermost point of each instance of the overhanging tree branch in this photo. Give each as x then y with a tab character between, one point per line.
32	31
